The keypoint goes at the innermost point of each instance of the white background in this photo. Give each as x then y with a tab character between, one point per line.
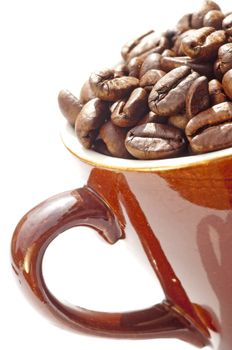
47	46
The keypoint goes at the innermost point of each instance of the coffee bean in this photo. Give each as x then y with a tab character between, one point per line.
89	120
227	26
203	68
197	98
154	141
211	129
70	105
127	113
150	78
225	57
108	88
134	66
216	92
227	83
184	23
198	17
86	93
213	19
203	43
100	147
152	61
168	95
179	121
177	47
146	43
217	70
114	139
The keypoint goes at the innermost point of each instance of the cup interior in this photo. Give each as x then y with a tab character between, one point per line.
91	157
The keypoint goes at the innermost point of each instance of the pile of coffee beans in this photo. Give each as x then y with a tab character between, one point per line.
170	96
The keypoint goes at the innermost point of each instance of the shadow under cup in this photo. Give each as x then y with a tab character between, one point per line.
181	211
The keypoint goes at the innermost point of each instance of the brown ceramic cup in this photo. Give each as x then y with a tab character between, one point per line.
181	210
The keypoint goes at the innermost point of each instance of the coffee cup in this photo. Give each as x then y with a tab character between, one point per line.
180	208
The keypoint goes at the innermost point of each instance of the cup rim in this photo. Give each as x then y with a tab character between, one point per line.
99	160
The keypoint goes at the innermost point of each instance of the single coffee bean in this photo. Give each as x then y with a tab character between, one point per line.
121	70
198	17
184	23
134	66
150	41
114	139
151	117
177	47
203	43
227	83
150	78
217	70
225	57
86	93
154	141
108	88
179	121
89	120
211	129
197	98
168	95
152	61
213	19
203	68
227	26
70	105
128	113
216	92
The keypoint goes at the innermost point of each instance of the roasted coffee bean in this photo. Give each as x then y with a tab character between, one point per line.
217	70
216	92
179	121
169	63
128	113
100	147
86	93
225	57
134	66
177	47
197	98
108	88
227	83
198	17
203	43
114	139
184	23
154	141
227	26
211	129
121	70
70	105
151	117
152	61
149	42
89	120
168	95
150	78
213	19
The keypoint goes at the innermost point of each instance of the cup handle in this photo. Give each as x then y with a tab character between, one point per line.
33	234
